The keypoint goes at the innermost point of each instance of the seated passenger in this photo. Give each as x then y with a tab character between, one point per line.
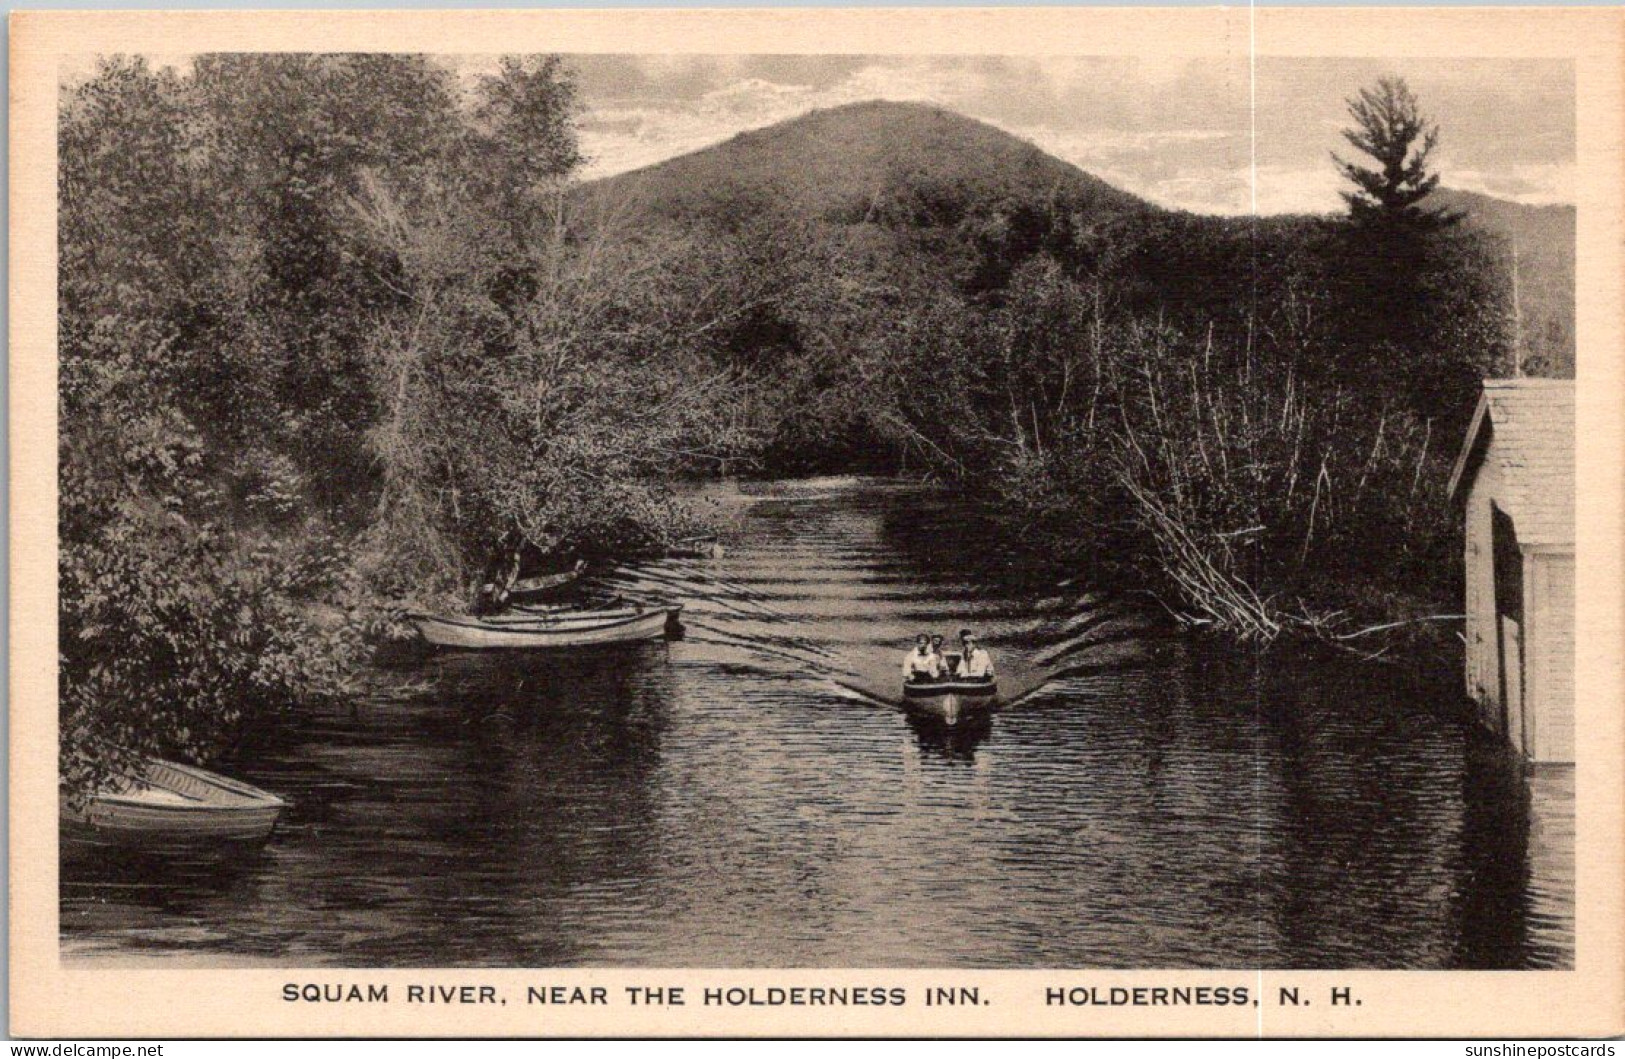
974	663
922	664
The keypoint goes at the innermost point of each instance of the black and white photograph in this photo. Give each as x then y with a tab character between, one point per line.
563	509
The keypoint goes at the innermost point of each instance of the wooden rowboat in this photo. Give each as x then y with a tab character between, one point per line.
951	699
561	617
588	611
170	802
543	631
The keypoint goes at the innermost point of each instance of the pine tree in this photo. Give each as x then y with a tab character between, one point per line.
1390	128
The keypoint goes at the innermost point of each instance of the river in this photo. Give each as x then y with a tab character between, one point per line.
745	797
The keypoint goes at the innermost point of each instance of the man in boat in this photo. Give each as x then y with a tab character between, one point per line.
945	668
974	661
922	664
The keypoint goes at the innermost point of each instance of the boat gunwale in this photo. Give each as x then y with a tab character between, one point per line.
540	627
196	807
579	617
969	689
214	779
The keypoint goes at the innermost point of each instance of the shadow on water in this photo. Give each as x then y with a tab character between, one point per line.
755	794
956	741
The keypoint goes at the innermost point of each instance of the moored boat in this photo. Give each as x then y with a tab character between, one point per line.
169	802
560	617
545	630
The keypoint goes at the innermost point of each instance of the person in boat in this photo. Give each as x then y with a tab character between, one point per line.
501	571
945	667
490	599
974	661
922	664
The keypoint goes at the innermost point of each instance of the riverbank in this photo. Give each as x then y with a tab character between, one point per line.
1053	537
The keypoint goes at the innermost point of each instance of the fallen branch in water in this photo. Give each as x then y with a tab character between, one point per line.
1397	624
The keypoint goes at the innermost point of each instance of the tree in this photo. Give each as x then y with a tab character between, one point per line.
1413	299
1391	129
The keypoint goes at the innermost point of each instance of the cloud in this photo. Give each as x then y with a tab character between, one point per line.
627	136
1215	191
1298	189
617	139
1532	184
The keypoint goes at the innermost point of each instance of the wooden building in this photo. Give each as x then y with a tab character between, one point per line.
1515	479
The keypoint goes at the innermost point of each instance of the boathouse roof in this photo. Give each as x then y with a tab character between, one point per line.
1527	427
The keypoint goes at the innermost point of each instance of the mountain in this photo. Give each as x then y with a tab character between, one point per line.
1538	243
875	160
992	198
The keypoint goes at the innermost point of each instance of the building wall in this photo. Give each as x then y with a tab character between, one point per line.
1550	588
1544	726
1525	610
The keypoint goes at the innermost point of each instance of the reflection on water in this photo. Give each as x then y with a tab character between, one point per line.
747	797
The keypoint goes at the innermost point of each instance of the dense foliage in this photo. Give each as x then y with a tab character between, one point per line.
326	345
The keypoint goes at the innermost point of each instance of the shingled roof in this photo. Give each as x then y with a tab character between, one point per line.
1531	424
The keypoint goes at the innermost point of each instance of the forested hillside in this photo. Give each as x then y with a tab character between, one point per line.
1256	413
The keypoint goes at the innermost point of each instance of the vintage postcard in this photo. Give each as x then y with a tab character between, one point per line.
1048	522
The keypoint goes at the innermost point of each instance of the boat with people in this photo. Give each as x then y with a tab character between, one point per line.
949	685
619	621
168	802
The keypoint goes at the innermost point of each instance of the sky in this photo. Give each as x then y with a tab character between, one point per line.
1178	132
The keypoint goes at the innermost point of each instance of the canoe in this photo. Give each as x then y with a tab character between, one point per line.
171	802
599	627
951	699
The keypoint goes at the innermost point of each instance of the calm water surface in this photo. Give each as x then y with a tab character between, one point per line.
744	797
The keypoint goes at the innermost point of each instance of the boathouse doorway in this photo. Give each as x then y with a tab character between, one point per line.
1507	570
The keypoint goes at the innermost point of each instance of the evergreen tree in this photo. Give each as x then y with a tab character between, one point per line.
1390	128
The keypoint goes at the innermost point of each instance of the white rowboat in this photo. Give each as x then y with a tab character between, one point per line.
174	802
587	628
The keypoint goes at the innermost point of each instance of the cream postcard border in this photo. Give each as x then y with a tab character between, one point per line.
49	999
